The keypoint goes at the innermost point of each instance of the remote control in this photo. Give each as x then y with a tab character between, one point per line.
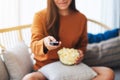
54	43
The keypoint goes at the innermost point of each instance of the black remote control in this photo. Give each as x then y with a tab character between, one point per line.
54	43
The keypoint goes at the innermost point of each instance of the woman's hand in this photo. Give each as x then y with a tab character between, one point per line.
47	41
80	58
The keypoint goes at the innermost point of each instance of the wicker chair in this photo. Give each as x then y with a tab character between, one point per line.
10	36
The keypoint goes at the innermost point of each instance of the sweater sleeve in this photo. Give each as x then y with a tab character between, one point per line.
83	40
38	33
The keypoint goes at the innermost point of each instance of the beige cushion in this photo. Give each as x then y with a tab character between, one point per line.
3	71
58	71
18	61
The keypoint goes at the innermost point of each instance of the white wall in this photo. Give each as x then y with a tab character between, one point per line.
18	12
9	13
91	8
29	8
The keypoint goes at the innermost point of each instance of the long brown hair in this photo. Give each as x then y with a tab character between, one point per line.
53	17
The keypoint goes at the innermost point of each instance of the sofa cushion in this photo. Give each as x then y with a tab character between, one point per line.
18	61
58	71
3	71
105	53
96	38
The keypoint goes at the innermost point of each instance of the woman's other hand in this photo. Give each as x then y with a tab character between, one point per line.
80	58
47	41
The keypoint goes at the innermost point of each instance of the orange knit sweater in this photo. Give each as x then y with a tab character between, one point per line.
72	34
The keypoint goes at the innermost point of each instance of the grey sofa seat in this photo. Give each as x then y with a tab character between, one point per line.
7	76
117	73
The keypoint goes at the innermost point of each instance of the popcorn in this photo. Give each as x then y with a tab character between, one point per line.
68	56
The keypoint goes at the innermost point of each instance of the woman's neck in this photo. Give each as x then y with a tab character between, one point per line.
65	12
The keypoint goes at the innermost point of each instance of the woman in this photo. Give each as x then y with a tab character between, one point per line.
63	23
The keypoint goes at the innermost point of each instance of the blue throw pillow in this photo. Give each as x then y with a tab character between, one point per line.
95	38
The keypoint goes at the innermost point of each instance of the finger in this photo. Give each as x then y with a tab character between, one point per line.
47	41
81	53
51	38
78	61
59	44
53	47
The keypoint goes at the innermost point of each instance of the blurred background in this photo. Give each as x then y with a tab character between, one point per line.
16	17
21	12
17	12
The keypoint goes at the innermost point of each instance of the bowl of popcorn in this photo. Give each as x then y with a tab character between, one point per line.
68	56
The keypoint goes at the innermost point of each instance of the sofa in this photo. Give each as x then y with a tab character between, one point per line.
16	62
